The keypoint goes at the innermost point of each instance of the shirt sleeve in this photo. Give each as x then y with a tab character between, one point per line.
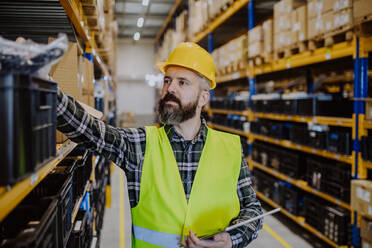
249	207
124	146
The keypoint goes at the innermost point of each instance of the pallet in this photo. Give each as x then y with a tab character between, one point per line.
90	10
293	49
222	9
93	25
258	60
363	26
344	33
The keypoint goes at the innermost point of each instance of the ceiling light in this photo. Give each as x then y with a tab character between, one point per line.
136	36
140	22
145	2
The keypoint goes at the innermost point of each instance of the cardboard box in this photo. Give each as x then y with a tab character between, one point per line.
302	23
366	229
255	34
318	7
282	40
361	9
366	244
283	23
285	7
65	72
343	18
342	4
369	110
60	137
87	83
328	22
255	49
267	27
361	196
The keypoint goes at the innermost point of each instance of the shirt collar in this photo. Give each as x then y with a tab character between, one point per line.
172	133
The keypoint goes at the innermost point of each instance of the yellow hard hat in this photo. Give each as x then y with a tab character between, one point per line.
191	56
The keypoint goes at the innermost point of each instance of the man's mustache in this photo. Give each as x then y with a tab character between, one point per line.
170	97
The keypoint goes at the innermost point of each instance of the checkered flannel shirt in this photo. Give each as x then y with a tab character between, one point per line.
126	148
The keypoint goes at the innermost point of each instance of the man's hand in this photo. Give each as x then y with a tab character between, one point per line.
221	240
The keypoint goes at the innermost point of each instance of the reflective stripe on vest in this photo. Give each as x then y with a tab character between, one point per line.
162	239
163	207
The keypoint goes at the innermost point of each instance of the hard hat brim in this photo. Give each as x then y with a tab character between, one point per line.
163	65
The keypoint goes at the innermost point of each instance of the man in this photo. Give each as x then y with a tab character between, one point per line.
185	180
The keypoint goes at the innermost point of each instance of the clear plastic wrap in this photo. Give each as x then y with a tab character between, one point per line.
30	57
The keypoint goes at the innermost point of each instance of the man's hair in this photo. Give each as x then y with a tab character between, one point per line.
205	84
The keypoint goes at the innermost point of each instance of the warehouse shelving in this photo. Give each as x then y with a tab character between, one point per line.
168	19
228	129
10	198
291	145
235	6
230	112
243	73
299	220
78	203
300	184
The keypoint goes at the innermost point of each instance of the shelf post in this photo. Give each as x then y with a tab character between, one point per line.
210	50
358	110
251	78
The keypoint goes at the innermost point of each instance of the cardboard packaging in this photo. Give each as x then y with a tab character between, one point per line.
255	49
341	4
267	27
361	9
366	229
328	22
282	40
361	196
87	87
302	23
369	110
343	18
318	7
282	23
255	34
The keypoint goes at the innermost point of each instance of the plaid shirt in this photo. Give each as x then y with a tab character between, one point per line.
126	148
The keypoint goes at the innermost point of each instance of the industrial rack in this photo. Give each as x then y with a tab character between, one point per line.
11	196
357	49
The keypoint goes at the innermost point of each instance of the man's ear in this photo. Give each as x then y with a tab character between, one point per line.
204	98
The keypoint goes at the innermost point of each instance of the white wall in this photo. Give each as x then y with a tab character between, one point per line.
135	60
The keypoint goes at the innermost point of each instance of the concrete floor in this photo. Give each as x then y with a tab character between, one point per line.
278	231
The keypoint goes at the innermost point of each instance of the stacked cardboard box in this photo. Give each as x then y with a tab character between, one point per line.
361	197
362	10
299	24
328	16
255	41
198	16
283	23
267	27
366	233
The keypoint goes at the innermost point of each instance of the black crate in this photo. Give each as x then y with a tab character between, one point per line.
335	107
337	172
337	225
314	212
58	186
339	140
317	139
79	230
279	130
267	185
289	106
31	224
274	155
292	164
299	134
315	173
305	106
341	192
367	146
290	198
28	125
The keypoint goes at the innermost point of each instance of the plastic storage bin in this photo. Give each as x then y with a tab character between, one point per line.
28	125
31	224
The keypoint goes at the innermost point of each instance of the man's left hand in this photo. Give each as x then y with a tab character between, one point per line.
221	240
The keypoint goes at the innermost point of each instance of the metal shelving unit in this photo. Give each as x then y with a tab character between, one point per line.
10	198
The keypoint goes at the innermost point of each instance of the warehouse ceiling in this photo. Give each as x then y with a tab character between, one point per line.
154	14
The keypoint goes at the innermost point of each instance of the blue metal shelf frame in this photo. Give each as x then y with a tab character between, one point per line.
210	50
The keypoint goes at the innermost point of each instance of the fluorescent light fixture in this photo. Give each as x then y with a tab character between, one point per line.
136	36
140	22
145	2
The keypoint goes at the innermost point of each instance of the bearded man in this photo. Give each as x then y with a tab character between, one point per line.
185	180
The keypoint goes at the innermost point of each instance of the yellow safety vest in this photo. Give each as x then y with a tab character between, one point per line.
163	216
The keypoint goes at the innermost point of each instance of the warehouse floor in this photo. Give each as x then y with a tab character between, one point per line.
277	231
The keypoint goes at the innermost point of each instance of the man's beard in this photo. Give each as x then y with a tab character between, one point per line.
172	114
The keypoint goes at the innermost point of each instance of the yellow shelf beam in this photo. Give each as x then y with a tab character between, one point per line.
289	144
339	50
9	199
302	185
73	16
332	121
367	164
367	124
233	76
227	129
237	5
298	220
168	20
245	113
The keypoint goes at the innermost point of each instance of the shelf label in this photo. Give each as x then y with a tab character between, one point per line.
337	156
287	143
33	179
328	56
339	123
313	150
337	201
298	146
236	75
288	65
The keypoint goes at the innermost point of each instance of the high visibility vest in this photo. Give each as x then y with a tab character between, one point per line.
163	216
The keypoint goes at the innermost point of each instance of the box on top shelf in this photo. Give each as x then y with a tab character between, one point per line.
299	24
361	196
181	21
267	27
362	10
366	229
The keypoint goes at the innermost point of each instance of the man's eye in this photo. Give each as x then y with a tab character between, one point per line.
182	82
166	81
